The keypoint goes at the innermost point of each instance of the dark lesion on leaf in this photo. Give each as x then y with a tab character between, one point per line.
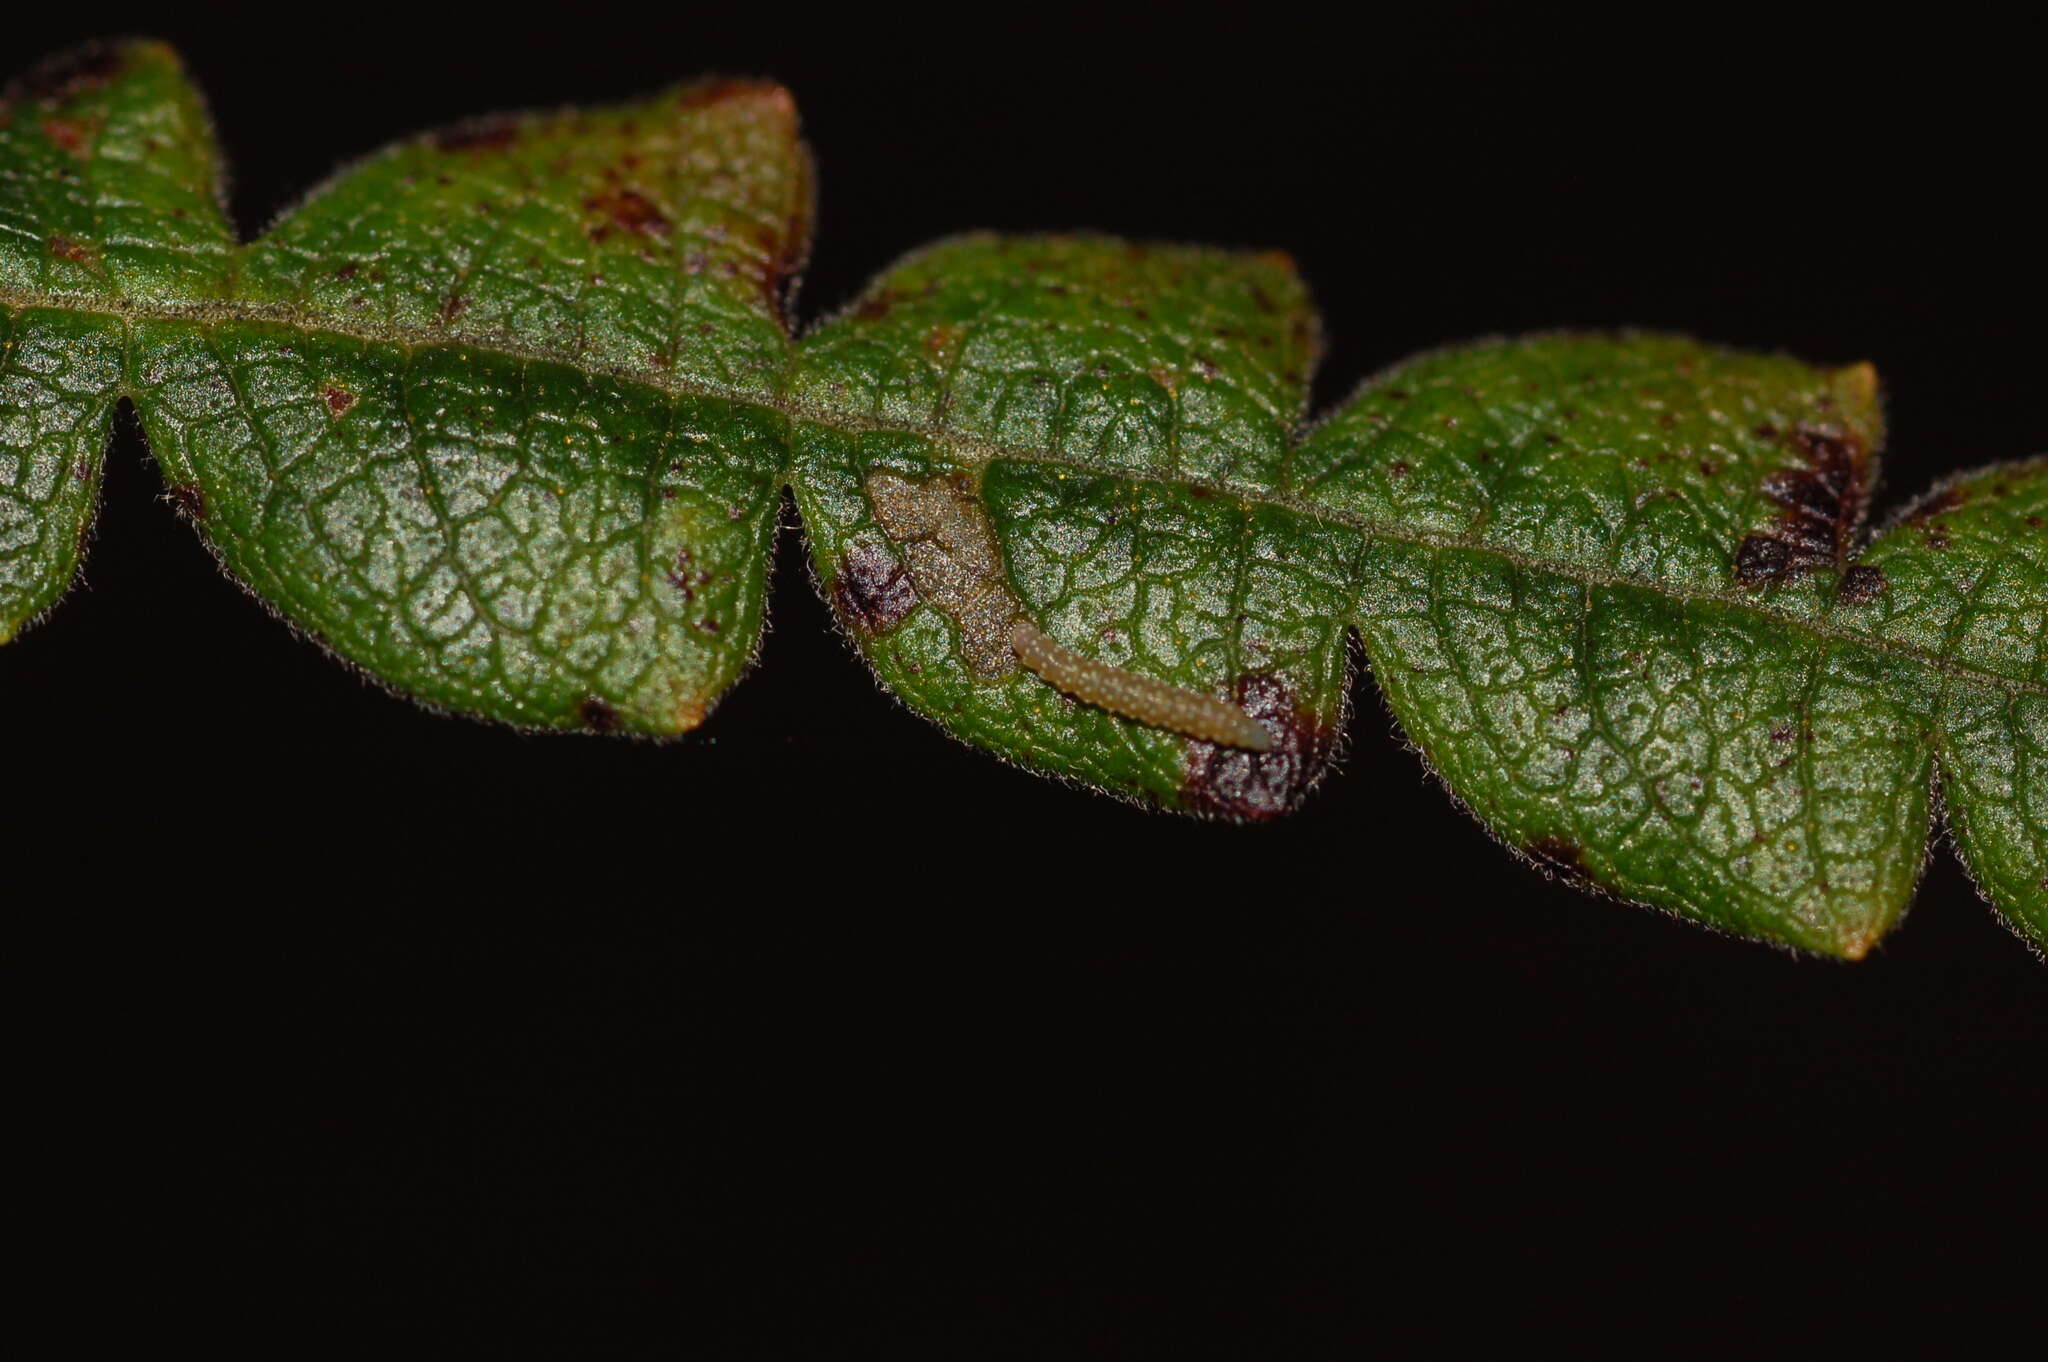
872	591
686	577
74	136
1231	782
597	715
1861	585
74	250
189	500
789	251
1560	856
626	210
1821	500
1927	516
68	75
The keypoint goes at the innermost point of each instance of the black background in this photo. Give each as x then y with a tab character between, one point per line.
818	1035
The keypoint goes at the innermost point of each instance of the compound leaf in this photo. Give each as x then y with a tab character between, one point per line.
503	415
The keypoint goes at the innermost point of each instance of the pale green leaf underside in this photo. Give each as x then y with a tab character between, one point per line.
504	415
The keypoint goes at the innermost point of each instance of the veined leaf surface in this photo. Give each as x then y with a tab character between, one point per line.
504	415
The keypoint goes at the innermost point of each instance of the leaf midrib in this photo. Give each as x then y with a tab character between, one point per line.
983	451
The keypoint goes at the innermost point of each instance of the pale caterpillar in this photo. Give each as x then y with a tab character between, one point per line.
957	567
1155	703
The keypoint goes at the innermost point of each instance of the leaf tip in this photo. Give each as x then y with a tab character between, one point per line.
771	97
1852	941
1862	377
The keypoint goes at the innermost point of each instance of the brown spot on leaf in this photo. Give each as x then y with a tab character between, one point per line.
64	248
73	136
628	212
1561	855
453	306
788	252
1821	501
873	592
1761	559
686	578
68	75
1926	517
1861	585
190	501
597	716
339	399
1230	782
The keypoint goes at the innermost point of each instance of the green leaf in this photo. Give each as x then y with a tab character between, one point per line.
504	415
1121	415
1969	572
484	417
109	189
1605	597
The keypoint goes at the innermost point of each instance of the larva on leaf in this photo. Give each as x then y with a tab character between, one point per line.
956	564
1151	702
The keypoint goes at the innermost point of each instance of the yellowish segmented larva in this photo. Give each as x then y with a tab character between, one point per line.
956	564
1137	697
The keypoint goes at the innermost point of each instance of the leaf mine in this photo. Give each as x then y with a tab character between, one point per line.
954	562
956	565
